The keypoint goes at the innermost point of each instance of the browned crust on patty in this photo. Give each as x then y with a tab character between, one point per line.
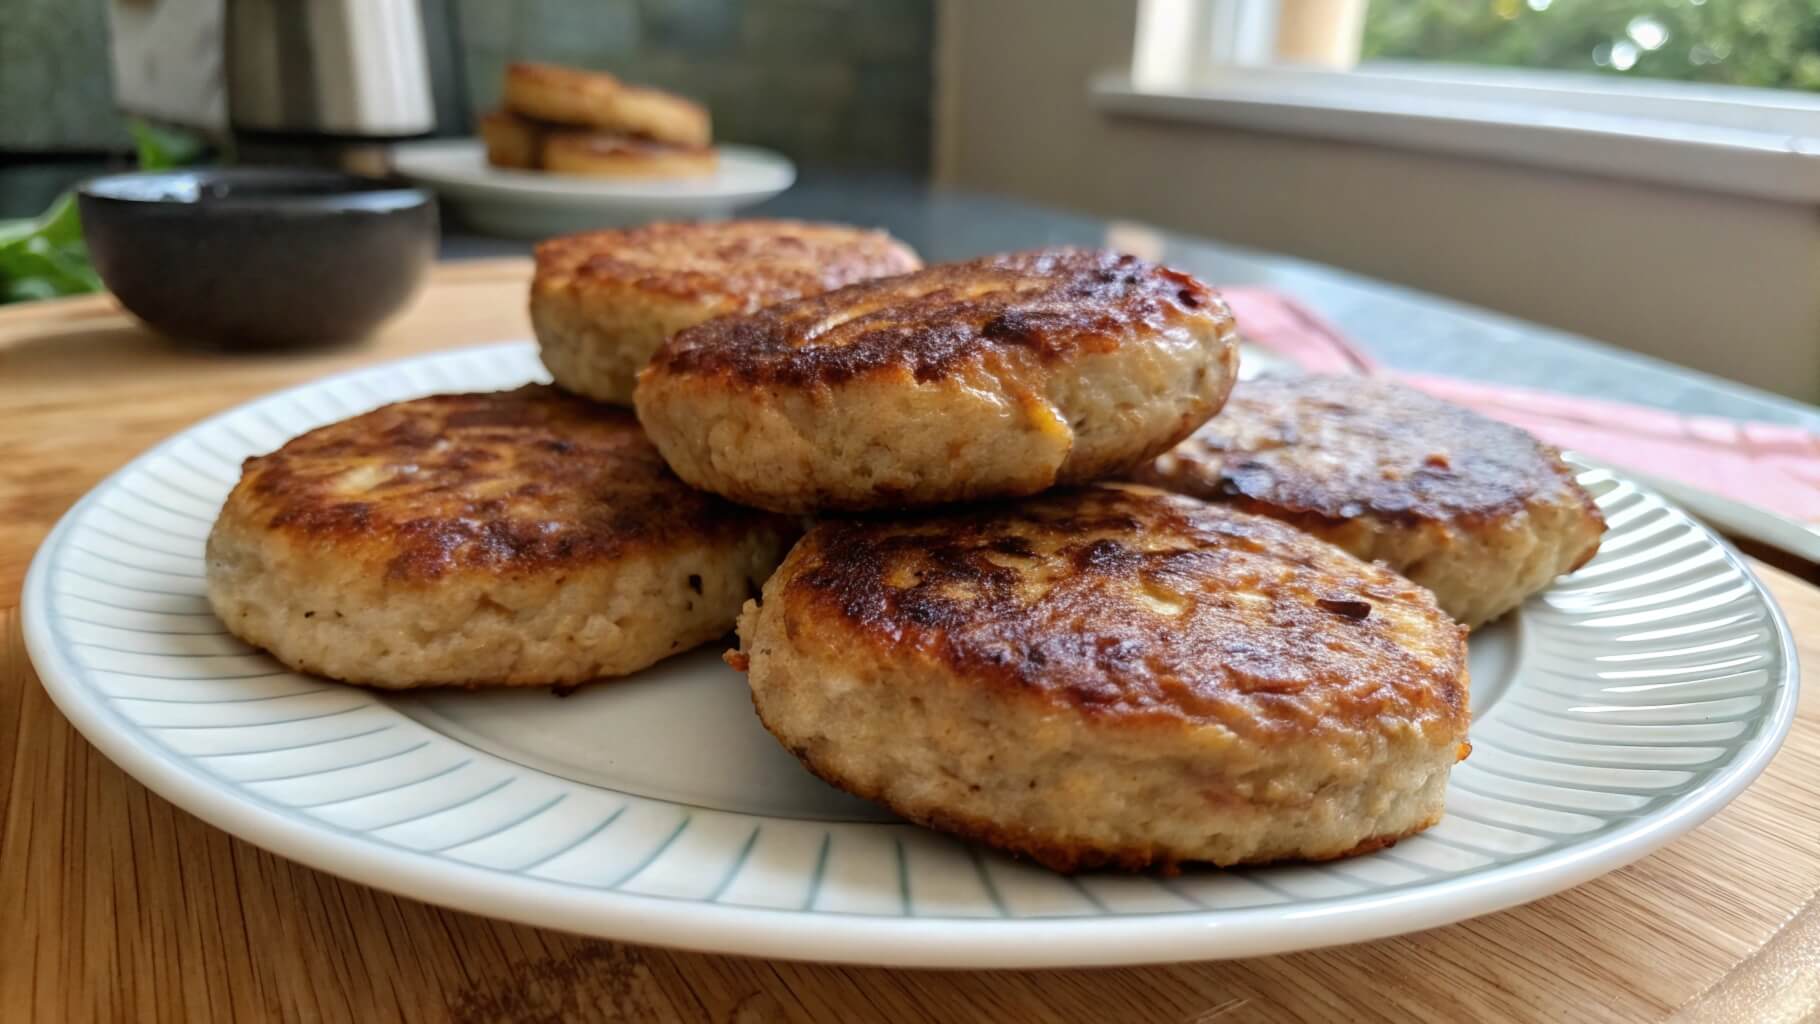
1136	607
731	266
1050	304
1321	450
507	483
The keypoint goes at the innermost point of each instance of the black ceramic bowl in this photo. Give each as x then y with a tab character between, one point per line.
258	257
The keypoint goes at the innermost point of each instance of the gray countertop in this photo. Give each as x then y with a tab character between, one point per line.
1402	328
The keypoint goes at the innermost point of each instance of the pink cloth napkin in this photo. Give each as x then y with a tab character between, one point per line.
1765	464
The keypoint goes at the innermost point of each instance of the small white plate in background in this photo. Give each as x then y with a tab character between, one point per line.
536	204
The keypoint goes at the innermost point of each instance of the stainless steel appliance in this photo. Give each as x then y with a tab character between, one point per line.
332	81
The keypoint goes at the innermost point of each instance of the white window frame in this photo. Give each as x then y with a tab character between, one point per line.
1182	40
1213	62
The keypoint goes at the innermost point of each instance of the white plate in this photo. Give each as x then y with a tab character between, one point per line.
1612	714
530	204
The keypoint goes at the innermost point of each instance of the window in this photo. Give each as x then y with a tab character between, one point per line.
1722	95
1772	44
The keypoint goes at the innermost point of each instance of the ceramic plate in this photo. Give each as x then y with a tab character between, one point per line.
1611	714
530	204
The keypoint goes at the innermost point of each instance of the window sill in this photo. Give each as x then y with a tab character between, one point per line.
1755	143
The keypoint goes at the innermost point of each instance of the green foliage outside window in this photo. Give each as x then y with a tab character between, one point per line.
1767	43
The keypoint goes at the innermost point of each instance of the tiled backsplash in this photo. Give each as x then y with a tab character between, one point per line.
55	92
842	82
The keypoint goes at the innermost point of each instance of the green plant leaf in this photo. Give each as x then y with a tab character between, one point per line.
61	224
45	257
161	149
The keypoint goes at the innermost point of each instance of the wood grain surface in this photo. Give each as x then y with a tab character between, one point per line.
115	905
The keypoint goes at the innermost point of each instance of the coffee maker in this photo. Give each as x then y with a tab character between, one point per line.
320	82
335	81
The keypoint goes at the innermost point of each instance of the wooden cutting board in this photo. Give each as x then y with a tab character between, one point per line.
117	906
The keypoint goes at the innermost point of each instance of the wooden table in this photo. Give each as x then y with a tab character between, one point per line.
115	905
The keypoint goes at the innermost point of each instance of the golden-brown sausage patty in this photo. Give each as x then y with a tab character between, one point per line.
523	144
556	94
603	301
596	99
521	538
1475	510
1113	675
996	377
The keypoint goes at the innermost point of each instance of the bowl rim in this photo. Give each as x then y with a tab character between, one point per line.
340	192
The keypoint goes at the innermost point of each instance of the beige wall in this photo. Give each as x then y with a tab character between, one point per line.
1725	284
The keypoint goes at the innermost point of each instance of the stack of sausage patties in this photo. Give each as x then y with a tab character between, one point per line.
987	634
976	622
569	121
531	537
